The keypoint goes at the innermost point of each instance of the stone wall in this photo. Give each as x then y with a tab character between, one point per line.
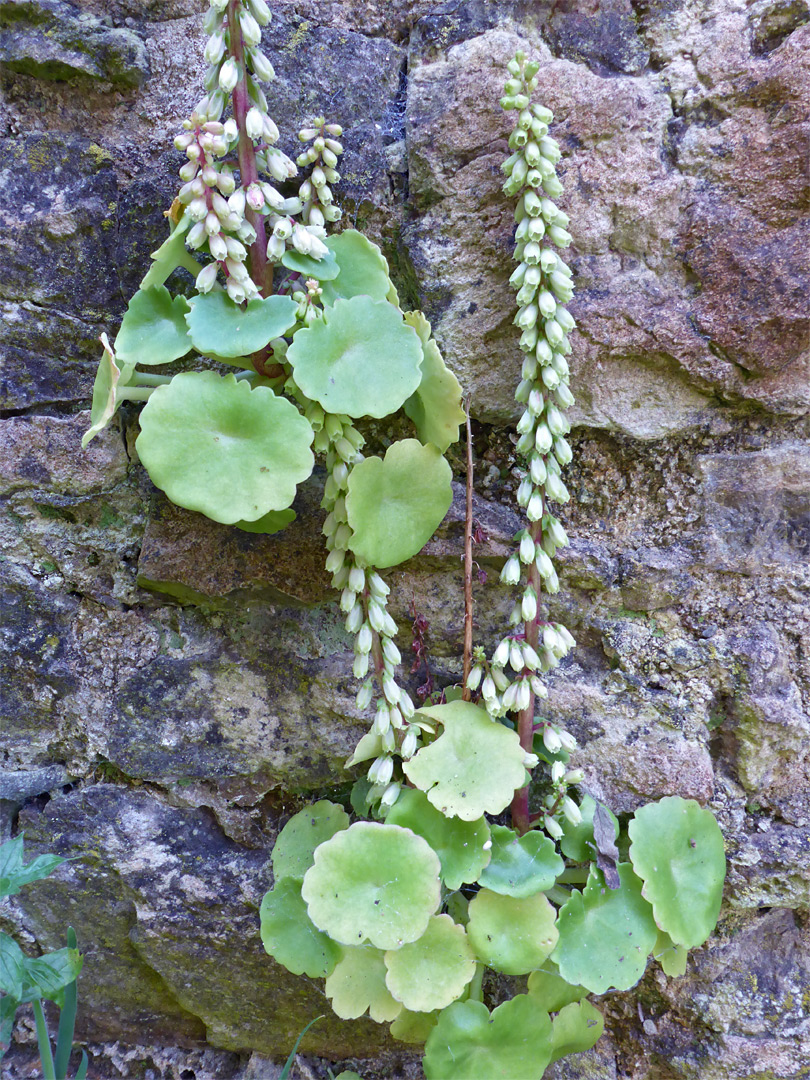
175	687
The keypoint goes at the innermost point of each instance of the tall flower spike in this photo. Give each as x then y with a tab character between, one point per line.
543	284
364	602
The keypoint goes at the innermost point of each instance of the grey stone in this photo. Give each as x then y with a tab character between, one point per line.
51	40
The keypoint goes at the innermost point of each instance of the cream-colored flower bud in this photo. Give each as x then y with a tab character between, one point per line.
215	48
251	31
228	76
254	123
188	171
197	209
206	278
217	247
261	12
262	68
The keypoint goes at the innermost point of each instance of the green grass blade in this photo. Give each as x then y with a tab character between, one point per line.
81	1072
67	1023
285	1072
44	1041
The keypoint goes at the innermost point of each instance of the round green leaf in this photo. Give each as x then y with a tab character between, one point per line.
521	865
413	1027
289	936
677	850
358	984
459	844
576	1028
432	972
154	328
214	445
363	268
606	934
435	408
105	400
218	325
456	771
670	956
272	522
294	850
470	1044
373	882
577	841
513	936
360	358
324	269
551	989
396	503
350	1075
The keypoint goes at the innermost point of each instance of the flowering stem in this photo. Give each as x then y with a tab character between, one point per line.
468	565
247	154
520	803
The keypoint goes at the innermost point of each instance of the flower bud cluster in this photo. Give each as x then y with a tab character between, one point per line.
322	155
219	207
512	678
363	599
215	205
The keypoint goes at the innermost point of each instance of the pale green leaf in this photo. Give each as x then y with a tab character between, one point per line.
370	746
216	446
217	325
289	936
413	1027
172	254
513	1043
677	850
670	956
363	268
521	865
577	841
373	882
47	976
435	408
12	967
295	846
606	934
154	329
324	269
358	985
513	936
432	972
551	989
456	770
13	874
459	844
105	400
360	358
271	522
575	1029
396	503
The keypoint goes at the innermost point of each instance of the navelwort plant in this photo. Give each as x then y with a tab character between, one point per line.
403	912
402	916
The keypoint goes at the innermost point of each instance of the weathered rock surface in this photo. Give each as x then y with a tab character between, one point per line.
175	687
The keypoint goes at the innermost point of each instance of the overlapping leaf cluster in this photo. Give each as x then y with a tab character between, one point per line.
401	917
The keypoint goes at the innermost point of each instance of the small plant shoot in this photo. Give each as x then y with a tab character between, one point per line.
291	337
